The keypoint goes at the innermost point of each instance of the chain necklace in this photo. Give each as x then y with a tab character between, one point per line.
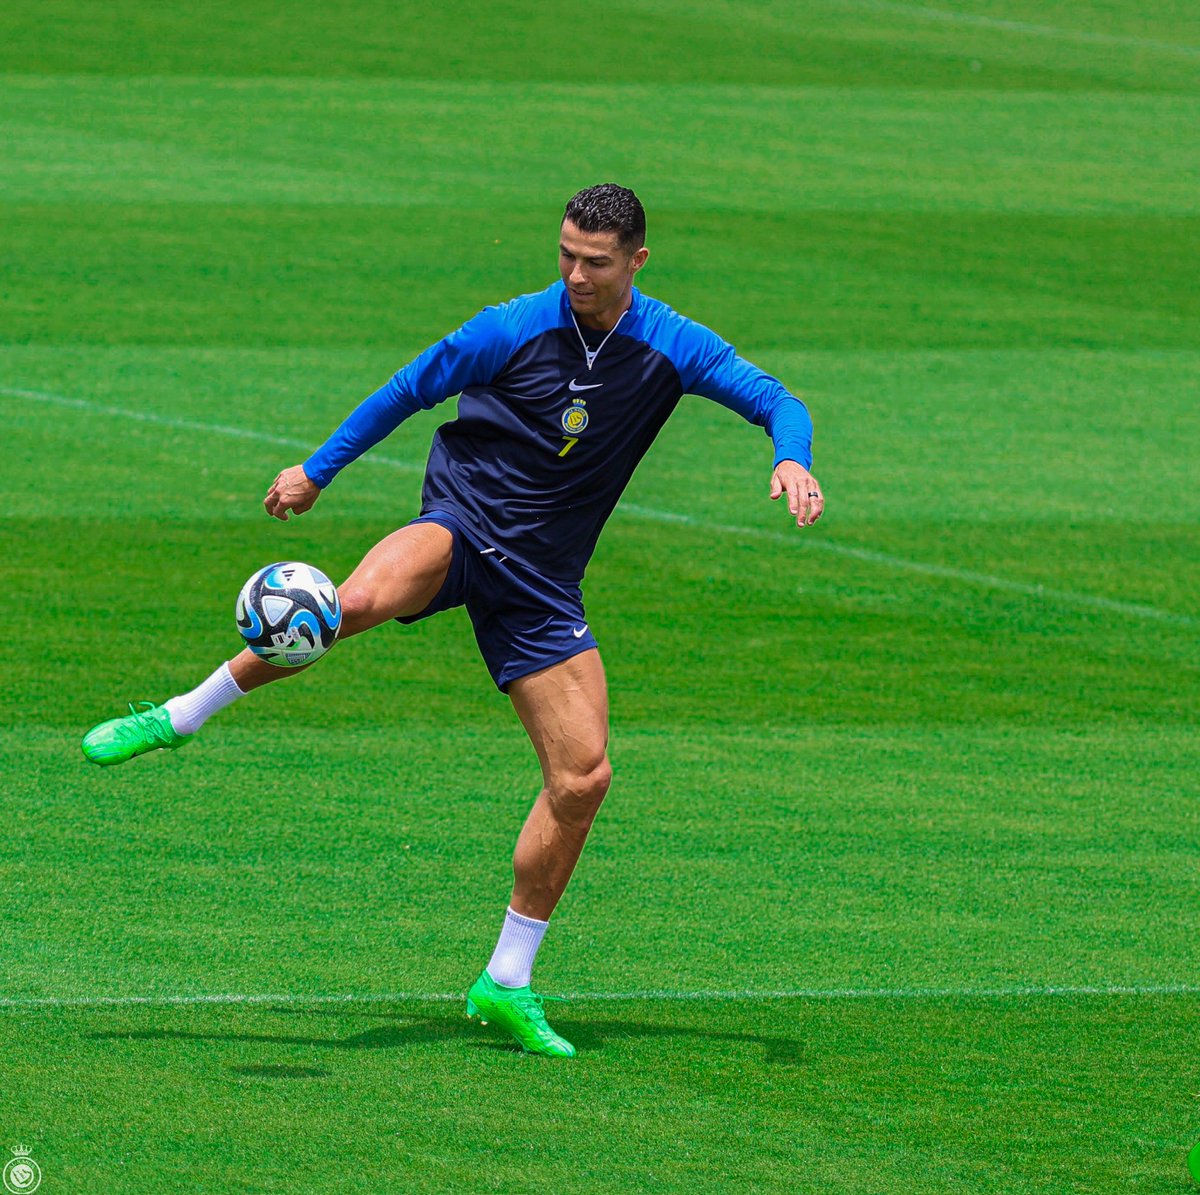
587	352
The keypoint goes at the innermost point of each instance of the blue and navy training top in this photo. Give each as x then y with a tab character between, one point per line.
553	418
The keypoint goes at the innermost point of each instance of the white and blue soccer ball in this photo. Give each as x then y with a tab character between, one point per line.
289	614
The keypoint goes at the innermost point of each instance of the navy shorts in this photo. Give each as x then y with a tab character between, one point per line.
523	621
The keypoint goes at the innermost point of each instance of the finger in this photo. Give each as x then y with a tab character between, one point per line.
807	499
275	506
816	505
793	493
798	502
776	486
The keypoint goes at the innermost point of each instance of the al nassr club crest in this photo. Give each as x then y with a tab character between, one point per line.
22	1174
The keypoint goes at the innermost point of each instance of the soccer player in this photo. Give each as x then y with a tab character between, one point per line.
561	394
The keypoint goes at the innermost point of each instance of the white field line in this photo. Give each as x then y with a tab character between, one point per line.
986	580
191	425
884	559
1027	28
658	995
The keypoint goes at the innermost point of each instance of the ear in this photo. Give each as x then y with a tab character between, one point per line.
638	259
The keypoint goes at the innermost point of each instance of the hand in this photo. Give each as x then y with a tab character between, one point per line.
805	500
291	490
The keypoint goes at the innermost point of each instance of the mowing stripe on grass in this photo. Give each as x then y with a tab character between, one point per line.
191	425
987	580
884	559
1026	27
658	995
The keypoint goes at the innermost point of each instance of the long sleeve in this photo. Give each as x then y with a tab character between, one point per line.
720	374
472	354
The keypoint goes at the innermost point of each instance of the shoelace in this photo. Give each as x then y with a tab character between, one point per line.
152	727
524	1003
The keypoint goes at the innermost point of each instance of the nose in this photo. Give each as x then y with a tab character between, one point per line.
578	277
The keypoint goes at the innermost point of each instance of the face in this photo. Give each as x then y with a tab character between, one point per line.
598	274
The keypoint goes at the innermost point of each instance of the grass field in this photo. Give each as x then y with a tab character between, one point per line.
896	890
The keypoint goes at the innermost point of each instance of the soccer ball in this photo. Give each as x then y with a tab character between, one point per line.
289	614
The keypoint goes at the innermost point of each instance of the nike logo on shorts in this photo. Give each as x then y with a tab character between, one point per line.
580	631
594	386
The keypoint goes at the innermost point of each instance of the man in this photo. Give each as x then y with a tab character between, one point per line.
562	393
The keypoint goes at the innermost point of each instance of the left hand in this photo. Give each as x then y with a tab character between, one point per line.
805	500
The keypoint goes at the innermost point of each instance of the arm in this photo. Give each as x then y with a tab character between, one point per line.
474	353
761	399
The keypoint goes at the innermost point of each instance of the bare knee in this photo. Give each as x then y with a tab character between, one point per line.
577	793
358	609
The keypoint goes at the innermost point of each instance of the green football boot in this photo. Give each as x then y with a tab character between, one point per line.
519	1011
141	730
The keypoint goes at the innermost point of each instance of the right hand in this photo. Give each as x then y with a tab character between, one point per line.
291	490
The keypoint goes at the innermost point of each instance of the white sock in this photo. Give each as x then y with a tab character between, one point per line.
512	960
189	712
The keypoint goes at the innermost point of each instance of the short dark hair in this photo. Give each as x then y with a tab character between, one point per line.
608	207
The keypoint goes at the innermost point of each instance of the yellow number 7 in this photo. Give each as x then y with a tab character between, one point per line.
571	442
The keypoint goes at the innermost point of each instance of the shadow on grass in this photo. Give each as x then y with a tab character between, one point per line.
423	1028
279	1072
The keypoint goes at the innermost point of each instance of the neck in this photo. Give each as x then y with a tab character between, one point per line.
606	321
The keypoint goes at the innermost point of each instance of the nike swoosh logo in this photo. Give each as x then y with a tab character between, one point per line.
594	386
579	634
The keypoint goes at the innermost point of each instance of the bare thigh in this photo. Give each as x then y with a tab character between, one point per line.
400	575
564	709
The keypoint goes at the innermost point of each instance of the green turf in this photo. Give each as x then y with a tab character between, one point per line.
858	1095
922	767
